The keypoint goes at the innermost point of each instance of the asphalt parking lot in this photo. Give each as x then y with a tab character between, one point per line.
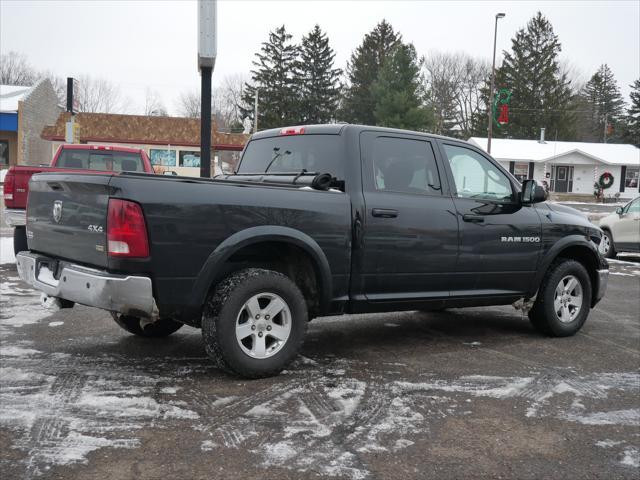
472	393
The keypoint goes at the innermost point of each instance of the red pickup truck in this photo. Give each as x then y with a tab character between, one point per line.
68	158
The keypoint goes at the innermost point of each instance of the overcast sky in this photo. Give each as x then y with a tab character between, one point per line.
140	44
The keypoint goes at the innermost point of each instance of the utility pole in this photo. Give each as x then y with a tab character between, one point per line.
605	129
207	52
493	81
255	112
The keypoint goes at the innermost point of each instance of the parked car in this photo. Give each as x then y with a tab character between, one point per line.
68	158
622	230
319	220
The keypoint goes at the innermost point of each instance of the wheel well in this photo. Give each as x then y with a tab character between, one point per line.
283	257
586	257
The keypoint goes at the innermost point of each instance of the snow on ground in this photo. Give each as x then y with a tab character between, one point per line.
6	250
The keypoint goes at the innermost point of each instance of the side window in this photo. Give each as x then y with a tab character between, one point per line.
633	207
477	177
405	166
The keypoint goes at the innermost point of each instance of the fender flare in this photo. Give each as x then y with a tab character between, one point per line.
554	252
266	233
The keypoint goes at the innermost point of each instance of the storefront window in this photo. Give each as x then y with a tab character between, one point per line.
165	158
521	171
631	178
4	153
189	159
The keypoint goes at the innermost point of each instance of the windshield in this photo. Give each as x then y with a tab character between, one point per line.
294	153
100	160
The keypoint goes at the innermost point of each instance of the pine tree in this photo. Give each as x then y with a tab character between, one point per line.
399	100
276	76
319	83
603	101
362	72
632	133
540	91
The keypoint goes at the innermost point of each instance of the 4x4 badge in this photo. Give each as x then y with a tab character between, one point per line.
57	211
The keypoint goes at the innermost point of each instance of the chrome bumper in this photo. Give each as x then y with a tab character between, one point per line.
15	218
603	280
129	295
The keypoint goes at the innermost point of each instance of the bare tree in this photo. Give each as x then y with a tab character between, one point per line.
189	104
153	104
225	99
99	95
453	82
15	69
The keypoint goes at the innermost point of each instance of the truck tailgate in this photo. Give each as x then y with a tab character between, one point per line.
67	216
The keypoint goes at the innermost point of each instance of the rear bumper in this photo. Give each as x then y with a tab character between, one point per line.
15	218
129	295
601	288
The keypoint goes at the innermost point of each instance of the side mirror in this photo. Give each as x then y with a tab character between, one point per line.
169	172
619	210
532	192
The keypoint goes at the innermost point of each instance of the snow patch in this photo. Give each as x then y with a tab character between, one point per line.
631	457
55	324
629	417
6	250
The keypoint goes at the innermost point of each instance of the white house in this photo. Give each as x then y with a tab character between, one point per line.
569	167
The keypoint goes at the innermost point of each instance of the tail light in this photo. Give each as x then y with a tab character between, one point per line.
9	188
292	131
126	230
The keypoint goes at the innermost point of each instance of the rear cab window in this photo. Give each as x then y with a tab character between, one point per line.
294	154
101	160
403	165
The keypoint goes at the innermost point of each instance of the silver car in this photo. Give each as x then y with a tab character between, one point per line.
622	230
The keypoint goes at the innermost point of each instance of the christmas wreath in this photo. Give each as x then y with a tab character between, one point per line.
606	180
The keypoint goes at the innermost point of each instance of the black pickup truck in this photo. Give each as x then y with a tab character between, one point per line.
318	220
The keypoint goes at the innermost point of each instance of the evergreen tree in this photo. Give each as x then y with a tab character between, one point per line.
362	71
540	91
319	84
399	100
276	76
602	100
632	133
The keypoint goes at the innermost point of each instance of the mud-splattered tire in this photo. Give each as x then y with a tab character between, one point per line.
554	313
20	240
160	328
241	332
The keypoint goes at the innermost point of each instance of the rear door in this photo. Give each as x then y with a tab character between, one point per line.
67	216
500	239
410	230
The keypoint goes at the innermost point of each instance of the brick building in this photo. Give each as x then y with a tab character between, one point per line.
172	143
24	112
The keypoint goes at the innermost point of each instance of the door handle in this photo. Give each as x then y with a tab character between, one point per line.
473	218
384	213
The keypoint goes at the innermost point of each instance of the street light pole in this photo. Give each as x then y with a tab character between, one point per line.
493	86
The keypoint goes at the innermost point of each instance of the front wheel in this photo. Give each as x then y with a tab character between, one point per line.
142	327
254	323
563	301
608	249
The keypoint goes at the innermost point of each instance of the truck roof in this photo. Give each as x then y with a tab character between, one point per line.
339	128
85	146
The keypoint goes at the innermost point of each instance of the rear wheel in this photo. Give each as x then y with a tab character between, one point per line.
563	301
20	240
608	249
162	327
254	323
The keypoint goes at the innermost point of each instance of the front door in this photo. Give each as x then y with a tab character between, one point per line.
410	230
563	181
500	239
626	231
